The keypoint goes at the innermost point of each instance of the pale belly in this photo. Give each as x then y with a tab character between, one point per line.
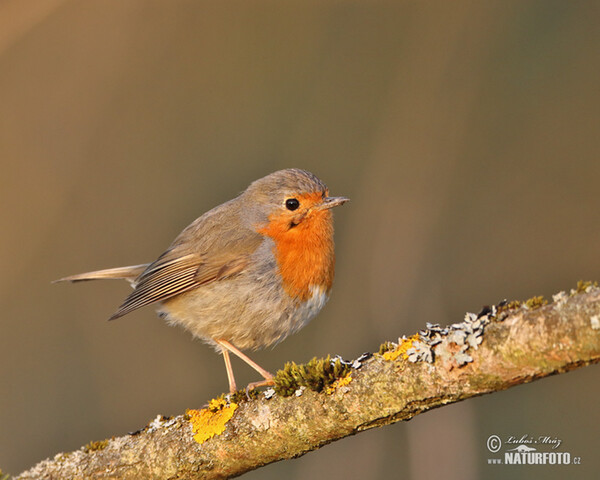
248	313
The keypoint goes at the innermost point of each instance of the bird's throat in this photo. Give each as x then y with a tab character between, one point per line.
305	253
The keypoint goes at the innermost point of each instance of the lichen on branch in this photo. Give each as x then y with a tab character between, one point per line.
327	399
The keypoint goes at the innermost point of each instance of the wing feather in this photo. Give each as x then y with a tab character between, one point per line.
161	280
174	273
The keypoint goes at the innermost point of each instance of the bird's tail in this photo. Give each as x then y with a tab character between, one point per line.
130	274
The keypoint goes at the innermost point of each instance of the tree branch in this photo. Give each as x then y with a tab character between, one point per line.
497	349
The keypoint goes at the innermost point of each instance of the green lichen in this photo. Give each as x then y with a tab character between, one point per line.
95	446
512	305
583	286
317	374
485	381
386	347
242	396
536	302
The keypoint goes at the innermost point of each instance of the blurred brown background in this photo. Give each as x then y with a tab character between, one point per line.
466	134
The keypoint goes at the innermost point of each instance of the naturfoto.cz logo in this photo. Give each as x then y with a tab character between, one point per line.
523	450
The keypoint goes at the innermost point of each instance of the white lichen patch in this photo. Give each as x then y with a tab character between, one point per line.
262	419
356	364
560	298
450	344
269	393
160	422
420	352
595	322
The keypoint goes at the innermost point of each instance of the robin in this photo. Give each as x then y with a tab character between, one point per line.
247	273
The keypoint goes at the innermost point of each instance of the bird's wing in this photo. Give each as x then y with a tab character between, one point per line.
178	270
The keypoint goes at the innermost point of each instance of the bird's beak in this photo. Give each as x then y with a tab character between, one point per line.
330	202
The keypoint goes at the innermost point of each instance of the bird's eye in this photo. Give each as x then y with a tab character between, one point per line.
292	204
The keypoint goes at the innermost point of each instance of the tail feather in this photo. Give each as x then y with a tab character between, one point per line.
130	274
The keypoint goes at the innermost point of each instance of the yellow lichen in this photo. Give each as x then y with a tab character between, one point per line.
401	349
340	382
211	421
217	404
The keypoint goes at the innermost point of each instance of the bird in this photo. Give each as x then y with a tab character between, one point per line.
246	274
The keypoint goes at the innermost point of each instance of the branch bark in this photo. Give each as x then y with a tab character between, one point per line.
500	349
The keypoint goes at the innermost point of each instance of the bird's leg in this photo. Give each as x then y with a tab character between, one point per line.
268	377
230	377
261	383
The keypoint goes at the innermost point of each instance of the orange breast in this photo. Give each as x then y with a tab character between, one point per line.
305	253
